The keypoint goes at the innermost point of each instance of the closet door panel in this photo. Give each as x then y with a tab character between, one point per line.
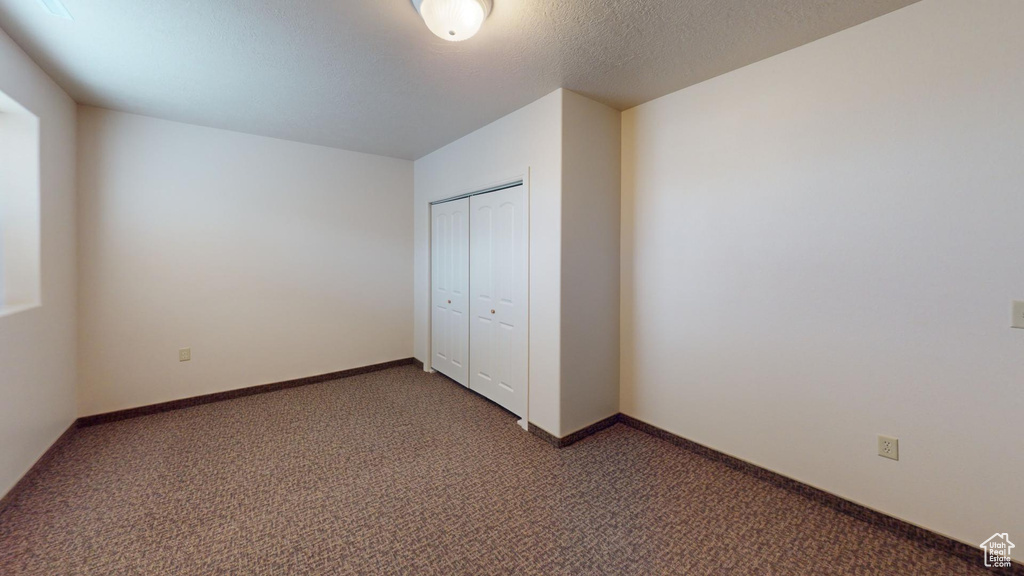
449	279
499	285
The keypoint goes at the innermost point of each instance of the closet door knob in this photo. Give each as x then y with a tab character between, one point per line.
492	311
449	301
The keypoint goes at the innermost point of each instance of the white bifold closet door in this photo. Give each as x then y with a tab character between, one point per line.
499	290
449	279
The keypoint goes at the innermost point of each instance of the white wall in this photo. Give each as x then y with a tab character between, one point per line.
37	346
271	259
590	262
823	246
529	138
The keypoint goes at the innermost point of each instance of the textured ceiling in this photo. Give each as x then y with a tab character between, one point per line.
367	75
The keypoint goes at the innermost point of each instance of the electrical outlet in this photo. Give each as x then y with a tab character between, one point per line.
184	355
1018	314
889	447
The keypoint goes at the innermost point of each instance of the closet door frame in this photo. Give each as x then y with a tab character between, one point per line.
524	179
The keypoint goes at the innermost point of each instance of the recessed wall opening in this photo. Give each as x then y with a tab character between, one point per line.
19	208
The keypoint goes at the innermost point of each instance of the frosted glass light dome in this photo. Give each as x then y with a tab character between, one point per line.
453	20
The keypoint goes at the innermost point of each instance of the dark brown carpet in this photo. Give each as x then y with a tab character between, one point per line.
404	472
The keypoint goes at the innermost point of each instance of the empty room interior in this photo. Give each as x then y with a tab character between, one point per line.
512	287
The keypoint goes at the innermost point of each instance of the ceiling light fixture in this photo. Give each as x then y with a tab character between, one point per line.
453	20
56	8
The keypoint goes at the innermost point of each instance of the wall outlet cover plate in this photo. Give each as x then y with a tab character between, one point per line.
889	447
184	355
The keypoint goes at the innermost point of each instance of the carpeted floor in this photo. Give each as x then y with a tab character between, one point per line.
404	472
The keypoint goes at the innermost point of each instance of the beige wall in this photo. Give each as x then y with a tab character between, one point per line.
271	259
824	246
528	139
37	346
590	262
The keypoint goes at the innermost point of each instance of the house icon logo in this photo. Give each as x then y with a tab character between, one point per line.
997	550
